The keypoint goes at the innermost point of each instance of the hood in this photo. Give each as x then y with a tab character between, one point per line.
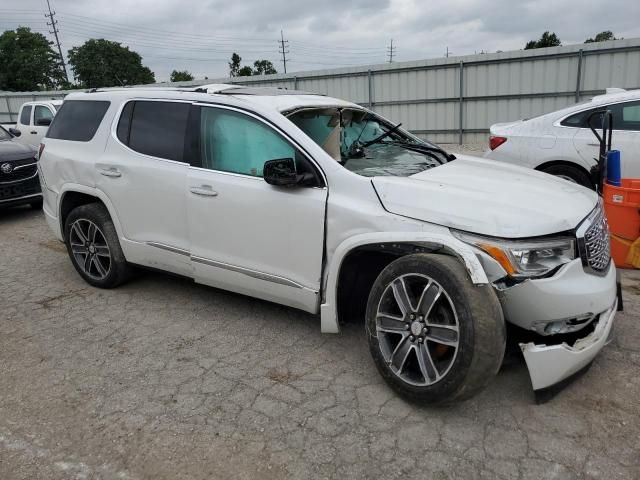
488	198
10	150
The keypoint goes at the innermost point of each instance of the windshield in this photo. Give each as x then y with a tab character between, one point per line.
4	135
366	144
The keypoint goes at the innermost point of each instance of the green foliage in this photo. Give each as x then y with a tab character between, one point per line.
234	65
28	62
181	76
602	37
245	72
103	63
263	67
546	40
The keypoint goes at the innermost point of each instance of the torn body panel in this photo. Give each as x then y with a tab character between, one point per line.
550	364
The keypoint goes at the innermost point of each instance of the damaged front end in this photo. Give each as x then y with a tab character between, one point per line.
550	363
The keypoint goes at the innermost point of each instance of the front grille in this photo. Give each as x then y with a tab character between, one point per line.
10	191
17	170
593	240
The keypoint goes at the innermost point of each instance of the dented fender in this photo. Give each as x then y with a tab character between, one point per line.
328	309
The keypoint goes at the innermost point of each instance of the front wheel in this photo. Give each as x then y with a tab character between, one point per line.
434	336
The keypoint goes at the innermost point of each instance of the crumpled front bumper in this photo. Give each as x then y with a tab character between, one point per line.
551	364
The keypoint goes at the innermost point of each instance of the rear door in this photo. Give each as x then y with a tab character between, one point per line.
143	172
626	136
24	123
246	235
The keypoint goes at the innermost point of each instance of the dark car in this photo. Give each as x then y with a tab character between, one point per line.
19	183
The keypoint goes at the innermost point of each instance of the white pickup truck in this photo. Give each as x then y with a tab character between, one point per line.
33	121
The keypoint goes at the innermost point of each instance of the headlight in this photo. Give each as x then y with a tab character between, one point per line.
524	258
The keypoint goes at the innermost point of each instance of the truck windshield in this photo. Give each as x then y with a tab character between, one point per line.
366	144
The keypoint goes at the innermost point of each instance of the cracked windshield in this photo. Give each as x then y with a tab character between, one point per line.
365	144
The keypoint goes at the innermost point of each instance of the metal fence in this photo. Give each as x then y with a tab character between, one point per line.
456	99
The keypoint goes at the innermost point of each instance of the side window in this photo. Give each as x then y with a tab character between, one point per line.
626	116
157	128
237	143
40	113
78	120
25	115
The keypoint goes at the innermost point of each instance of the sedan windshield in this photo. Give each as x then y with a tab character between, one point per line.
366	144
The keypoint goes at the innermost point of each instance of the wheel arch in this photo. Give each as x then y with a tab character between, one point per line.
376	251
567	163
74	195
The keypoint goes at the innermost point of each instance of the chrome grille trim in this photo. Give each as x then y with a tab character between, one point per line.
593	242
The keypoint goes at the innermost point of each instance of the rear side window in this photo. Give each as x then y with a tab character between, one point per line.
78	120
155	128
25	115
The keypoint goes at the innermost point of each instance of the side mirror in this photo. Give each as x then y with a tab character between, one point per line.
43	122
280	172
15	132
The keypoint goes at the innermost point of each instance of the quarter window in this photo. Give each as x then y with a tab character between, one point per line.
78	120
237	143
25	115
156	128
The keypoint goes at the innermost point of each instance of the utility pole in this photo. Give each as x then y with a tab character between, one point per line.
447	54
54	25
283	49
391	50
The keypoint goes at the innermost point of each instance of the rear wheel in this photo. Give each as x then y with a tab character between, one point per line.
434	336
93	246
570	173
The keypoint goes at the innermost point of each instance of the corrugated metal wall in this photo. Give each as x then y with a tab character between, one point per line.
452	100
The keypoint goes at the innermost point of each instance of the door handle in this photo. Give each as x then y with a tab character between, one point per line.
204	190
593	144
110	172
34	133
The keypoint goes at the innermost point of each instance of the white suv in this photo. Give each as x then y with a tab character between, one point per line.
562	144
322	205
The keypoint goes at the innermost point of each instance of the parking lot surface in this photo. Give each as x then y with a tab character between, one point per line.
165	379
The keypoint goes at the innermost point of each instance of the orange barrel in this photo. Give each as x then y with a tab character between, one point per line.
622	206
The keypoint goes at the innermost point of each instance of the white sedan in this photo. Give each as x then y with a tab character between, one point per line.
561	143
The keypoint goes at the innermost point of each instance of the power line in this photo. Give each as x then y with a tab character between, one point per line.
391	51
54	25
284	44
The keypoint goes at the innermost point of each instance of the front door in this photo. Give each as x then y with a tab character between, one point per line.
246	235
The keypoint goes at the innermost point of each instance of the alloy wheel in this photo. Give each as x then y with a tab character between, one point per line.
418	329
89	248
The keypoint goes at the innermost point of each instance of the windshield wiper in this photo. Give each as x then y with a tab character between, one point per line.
384	135
421	147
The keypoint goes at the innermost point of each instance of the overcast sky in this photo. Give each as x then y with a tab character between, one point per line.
200	36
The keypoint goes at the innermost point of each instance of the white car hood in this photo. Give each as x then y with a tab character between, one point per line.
488	198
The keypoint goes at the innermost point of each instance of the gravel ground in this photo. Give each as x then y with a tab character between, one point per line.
165	379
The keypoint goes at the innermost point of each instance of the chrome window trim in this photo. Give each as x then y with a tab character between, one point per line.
558	122
116	120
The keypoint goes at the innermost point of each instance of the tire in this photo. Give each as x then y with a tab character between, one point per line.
93	246
570	173
36	204
461	370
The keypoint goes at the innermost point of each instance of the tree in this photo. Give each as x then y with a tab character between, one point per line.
263	67
181	76
27	62
546	40
234	65
103	63
245	72
601	37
